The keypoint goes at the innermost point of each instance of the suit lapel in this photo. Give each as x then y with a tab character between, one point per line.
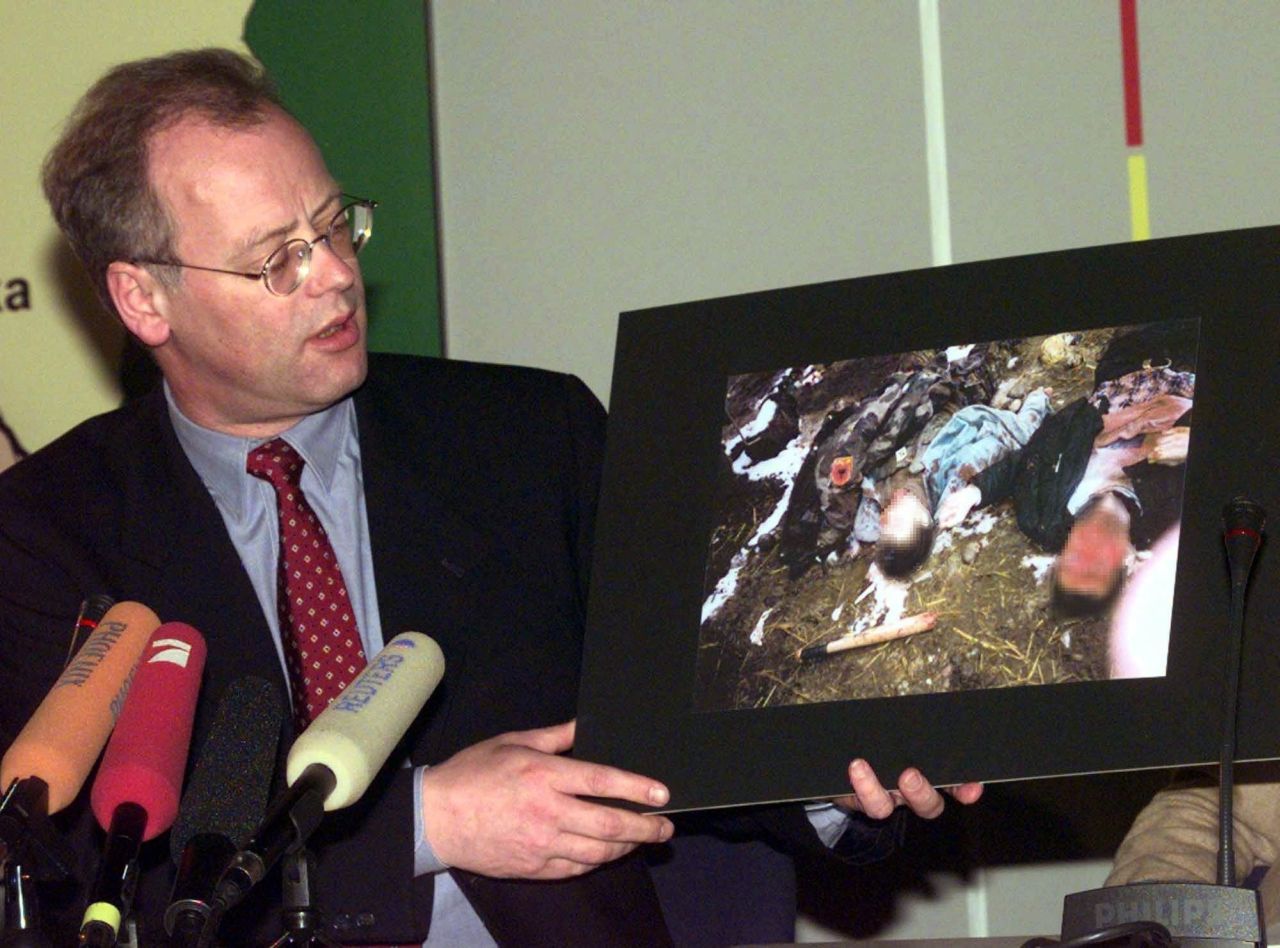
174	540
424	555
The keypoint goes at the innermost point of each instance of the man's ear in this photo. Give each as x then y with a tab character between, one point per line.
141	300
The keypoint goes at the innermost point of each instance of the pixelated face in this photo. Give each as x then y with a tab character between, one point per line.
905	518
1094	557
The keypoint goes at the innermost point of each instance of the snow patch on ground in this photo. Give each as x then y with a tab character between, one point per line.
783	467
979	525
1040	565
757	634
888	603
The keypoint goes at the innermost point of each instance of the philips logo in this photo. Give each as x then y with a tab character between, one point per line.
1189	910
1175	913
170	651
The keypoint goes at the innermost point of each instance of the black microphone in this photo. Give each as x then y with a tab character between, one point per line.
92	609
226	798
1242	523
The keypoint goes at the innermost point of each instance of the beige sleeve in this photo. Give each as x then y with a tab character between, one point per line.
1175	837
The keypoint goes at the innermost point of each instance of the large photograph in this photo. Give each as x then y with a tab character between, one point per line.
984	515
964	518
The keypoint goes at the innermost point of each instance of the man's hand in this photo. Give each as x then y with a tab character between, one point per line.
508	807
1168	447
956	506
1155	414
914	791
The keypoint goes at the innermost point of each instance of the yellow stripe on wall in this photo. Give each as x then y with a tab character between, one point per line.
1140	219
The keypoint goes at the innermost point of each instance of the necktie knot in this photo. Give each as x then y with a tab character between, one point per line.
276	461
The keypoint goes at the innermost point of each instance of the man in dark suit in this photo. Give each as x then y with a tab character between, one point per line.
459	499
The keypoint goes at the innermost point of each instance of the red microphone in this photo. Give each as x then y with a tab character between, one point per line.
135	794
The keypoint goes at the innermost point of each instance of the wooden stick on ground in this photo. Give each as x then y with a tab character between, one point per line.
908	625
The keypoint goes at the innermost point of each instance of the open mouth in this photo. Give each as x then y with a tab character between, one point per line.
332	330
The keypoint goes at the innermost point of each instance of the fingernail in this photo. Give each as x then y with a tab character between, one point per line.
858	767
668	828
658	795
912	780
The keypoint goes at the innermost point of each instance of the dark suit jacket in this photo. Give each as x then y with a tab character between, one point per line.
480	483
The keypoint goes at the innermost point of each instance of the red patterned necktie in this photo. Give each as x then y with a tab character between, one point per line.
321	640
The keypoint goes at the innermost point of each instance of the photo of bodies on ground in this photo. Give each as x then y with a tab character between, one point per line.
984	515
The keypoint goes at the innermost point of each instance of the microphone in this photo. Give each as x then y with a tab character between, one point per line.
1242	522
92	610
61	741
225	799
334	760
135	794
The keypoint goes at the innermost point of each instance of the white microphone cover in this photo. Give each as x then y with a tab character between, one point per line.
356	733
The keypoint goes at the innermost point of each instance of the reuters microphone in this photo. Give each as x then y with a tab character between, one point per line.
334	760
61	741
135	794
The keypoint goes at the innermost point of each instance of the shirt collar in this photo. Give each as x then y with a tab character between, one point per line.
220	458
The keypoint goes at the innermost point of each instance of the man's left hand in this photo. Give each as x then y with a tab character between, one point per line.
913	791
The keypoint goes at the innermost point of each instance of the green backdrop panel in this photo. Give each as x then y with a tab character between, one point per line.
356	75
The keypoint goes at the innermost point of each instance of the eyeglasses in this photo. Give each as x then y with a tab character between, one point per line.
287	266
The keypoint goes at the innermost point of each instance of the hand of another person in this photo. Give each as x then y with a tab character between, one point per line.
914	791
1155	414
510	807
1168	447
956	506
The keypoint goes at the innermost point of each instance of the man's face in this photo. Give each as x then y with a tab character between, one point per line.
905	518
237	358
1093	559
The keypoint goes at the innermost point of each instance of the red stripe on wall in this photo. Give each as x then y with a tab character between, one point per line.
1132	89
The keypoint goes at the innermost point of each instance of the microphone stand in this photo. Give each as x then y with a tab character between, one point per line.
285	829
21	910
29	852
302	921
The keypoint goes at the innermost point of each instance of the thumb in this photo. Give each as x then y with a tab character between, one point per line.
555	739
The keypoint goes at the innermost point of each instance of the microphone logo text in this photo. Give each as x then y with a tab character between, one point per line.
91	654
361	691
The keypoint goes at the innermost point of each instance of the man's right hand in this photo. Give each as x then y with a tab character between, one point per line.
510	807
956	506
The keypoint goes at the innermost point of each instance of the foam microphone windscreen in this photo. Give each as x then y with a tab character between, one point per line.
229	785
61	741
356	733
147	755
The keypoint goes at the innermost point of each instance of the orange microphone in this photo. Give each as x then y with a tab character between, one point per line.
63	739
